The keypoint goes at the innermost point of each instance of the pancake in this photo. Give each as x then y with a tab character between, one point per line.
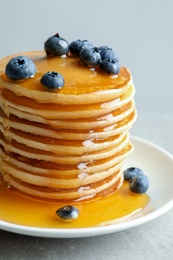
68	144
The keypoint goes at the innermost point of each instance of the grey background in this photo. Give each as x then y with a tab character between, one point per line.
139	31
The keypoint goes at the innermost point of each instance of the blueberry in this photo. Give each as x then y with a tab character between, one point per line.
132	172
52	80
76	46
102	48
67	213
90	57
139	184
109	67
20	67
55	45
108	53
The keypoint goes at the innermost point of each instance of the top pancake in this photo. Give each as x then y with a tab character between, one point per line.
82	85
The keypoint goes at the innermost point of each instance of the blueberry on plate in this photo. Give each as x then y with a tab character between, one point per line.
108	53
132	172
55	45
20	67
52	80
109	66
139	184
76	46
90	57
67	213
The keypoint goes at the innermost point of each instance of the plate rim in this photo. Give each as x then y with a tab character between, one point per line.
93	231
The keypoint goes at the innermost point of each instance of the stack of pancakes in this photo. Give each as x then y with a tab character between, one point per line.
69	144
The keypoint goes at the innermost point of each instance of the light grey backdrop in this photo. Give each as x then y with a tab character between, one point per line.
140	31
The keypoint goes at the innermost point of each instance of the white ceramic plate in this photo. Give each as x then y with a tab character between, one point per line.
157	165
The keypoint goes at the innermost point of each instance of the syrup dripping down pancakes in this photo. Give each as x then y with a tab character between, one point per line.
69	144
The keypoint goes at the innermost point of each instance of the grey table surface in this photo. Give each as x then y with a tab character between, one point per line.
152	240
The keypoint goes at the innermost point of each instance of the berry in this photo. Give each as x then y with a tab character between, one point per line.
67	213
55	45
90	57
109	67
139	184
20	67
108	53
102	48
52	80
132	172
76	46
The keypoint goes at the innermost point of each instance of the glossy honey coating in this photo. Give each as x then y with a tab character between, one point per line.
68	144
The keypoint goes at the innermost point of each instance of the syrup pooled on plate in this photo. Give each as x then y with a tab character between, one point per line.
120	206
